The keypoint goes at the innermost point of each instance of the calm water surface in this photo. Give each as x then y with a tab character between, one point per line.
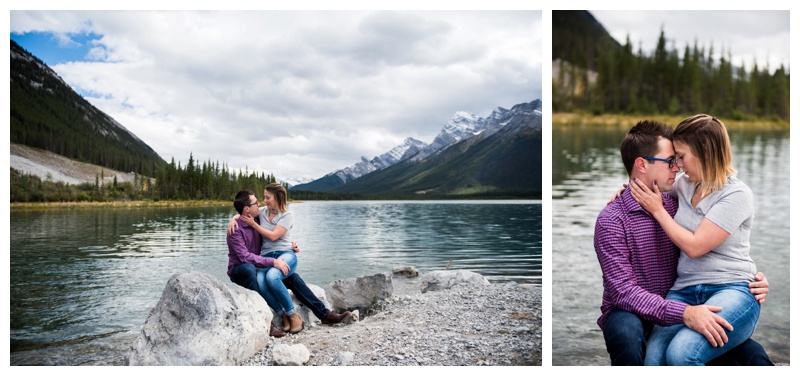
84	280
587	170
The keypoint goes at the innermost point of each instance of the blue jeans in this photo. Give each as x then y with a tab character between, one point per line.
270	282
679	345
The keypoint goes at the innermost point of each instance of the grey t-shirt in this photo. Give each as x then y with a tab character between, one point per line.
731	208
285	220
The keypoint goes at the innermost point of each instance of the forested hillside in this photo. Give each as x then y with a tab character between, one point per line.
669	80
47	114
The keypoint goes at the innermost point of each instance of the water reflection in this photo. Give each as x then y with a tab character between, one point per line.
587	170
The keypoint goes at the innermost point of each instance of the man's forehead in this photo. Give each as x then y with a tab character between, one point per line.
665	146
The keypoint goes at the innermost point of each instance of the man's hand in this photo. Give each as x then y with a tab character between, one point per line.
703	320
278	263
760	288
295	247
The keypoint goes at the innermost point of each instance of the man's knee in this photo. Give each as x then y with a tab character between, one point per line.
624	333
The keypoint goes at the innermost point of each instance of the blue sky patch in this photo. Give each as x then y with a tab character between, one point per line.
49	48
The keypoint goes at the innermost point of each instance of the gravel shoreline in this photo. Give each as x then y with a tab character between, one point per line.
468	325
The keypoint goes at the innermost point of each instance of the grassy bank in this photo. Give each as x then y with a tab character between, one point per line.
628	121
118	204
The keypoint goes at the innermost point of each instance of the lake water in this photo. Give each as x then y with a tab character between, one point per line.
84	280
587	171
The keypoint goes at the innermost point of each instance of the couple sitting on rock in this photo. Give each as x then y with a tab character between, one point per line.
261	257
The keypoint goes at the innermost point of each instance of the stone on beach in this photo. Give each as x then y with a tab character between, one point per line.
445	279
202	321
290	355
360	293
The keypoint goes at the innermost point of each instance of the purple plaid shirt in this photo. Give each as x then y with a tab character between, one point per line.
639	261
244	247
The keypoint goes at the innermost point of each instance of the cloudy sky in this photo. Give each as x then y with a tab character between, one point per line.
761	36
297	94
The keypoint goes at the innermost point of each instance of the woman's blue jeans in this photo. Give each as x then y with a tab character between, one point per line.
678	345
270	283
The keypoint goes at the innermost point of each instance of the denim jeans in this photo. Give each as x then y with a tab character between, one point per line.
626	336
679	345
270	282
305	295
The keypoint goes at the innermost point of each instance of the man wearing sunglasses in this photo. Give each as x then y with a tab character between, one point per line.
639	261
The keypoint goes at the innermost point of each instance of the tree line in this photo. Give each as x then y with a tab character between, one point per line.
619	80
206	181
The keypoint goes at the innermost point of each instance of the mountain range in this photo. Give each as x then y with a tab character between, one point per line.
471	156
497	156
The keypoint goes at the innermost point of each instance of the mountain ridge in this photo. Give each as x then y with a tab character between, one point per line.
497	155
46	113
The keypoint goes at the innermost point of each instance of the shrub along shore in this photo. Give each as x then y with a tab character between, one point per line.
628	121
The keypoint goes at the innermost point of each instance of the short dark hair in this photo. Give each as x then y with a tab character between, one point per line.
242	199
642	141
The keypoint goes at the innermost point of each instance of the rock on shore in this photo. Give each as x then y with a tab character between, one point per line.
494	324
464	320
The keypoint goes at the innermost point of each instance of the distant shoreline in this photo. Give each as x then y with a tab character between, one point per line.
177	203
628	121
119	204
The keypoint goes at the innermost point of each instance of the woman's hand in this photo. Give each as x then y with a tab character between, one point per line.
249	220
232	225
619	193
295	247
649	199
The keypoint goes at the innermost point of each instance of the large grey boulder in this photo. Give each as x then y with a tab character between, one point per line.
360	293
445	279
202	321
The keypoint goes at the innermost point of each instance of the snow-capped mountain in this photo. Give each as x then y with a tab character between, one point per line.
293	181
463	125
409	147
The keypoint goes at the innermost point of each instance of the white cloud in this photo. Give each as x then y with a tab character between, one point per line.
317	90
749	36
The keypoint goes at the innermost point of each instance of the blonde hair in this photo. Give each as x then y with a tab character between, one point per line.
281	197
708	141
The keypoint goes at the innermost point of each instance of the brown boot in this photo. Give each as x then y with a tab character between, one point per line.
286	325
296	323
334	318
275	332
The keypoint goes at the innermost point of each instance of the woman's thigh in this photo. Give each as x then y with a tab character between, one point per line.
274	274
739	308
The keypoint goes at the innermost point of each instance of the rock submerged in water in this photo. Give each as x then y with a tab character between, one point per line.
406	271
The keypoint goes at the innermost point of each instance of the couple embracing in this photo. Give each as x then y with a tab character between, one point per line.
261	257
679	286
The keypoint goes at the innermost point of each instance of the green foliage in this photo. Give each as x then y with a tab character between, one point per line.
208	182
664	81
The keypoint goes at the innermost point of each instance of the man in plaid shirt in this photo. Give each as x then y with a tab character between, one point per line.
639	262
